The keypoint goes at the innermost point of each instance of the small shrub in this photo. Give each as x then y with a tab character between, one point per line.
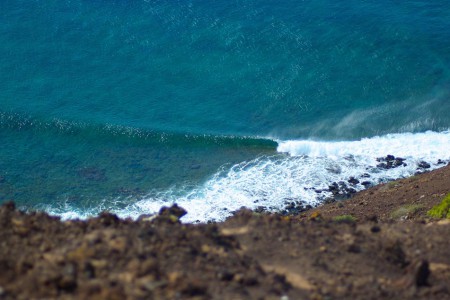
442	210
393	184
345	219
405	211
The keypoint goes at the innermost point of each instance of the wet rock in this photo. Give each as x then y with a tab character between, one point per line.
398	162
333	187
440	162
294	208
353	180
351	191
390	157
424	165
260	209
390	161
382	166
366	184
342	184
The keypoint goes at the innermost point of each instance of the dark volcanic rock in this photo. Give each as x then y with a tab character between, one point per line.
366	184
421	273
174	210
295	208
390	157
333	187
383	166
424	165
260	210
390	161
353	180
341	190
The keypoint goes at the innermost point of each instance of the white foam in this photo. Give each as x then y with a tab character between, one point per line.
270	182
428	145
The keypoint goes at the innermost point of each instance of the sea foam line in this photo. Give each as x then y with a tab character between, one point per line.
271	182
427	145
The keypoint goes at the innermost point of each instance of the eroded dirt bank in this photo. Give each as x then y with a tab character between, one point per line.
378	244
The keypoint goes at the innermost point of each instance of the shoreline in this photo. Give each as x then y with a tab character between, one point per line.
377	244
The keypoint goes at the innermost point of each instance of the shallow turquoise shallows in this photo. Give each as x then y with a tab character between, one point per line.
130	105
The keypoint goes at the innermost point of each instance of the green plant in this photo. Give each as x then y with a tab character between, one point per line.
389	186
393	184
442	210
405	211
345	219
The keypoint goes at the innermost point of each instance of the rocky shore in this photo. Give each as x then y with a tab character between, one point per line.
378	244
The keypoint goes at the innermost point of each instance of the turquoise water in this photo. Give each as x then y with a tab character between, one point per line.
130	105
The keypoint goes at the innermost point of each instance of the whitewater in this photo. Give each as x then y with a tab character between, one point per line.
300	170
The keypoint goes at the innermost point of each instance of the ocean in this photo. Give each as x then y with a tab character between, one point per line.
128	106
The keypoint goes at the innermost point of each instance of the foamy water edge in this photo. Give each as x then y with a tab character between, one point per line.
270	182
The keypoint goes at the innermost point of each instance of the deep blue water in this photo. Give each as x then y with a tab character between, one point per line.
129	105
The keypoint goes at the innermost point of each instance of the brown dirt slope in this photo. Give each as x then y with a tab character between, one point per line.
387	249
